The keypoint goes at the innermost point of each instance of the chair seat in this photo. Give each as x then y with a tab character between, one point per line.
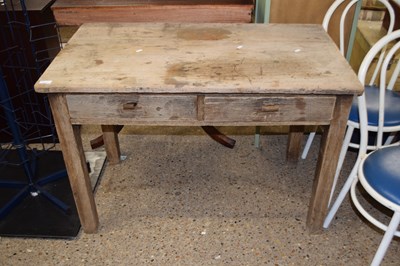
382	172
392	107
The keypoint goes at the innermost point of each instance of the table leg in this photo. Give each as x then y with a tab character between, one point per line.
75	162
331	144
295	140
111	143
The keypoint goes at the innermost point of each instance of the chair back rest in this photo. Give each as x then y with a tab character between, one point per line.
378	48
347	5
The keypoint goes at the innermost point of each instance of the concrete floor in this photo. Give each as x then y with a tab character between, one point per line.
182	199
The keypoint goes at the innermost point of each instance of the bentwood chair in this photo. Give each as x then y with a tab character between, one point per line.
333	9
378	172
372	95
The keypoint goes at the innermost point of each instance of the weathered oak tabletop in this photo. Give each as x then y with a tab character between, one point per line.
199	74
205	58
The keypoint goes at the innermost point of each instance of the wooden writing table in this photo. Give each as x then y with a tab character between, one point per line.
198	75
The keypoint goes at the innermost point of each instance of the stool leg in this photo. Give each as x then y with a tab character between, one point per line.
308	145
342	194
387	238
257	137
342	156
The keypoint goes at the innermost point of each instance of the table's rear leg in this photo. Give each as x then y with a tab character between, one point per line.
294	143
331	143
99	141
74	158
111	143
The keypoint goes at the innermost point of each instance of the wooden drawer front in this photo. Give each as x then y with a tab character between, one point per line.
147	108
268	109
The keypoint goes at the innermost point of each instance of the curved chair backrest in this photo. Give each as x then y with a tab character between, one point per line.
379	47
342	9
363	120
344	15
382	158
334	7
389	153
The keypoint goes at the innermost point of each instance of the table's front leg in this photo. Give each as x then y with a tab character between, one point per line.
74	158
332	139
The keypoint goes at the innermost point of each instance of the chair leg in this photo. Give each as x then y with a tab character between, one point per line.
308	145
345	190
257	137
389	139
387	238
342	156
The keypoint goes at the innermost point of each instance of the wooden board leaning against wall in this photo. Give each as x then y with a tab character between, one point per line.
308	12
281	11
69	14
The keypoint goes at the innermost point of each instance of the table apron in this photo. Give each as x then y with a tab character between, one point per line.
200	109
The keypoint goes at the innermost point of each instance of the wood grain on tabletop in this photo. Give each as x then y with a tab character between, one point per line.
203	58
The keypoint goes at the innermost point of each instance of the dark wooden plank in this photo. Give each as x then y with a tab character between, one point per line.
69	12
94	3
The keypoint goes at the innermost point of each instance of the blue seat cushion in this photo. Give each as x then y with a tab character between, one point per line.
392	107
382	172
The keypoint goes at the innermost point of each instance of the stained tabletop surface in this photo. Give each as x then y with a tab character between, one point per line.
200	58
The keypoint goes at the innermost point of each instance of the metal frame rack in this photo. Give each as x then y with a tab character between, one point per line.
26	127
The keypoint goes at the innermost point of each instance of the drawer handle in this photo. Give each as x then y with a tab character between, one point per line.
129	106
270	108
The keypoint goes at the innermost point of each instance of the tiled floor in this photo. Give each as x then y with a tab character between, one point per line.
182	199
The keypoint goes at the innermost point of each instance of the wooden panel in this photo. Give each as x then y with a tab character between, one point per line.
69	12
299	11
93	3
199	110
368	33
134	108
296	110
308	11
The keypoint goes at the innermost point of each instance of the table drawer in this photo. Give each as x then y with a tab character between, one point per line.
268	109
126	108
